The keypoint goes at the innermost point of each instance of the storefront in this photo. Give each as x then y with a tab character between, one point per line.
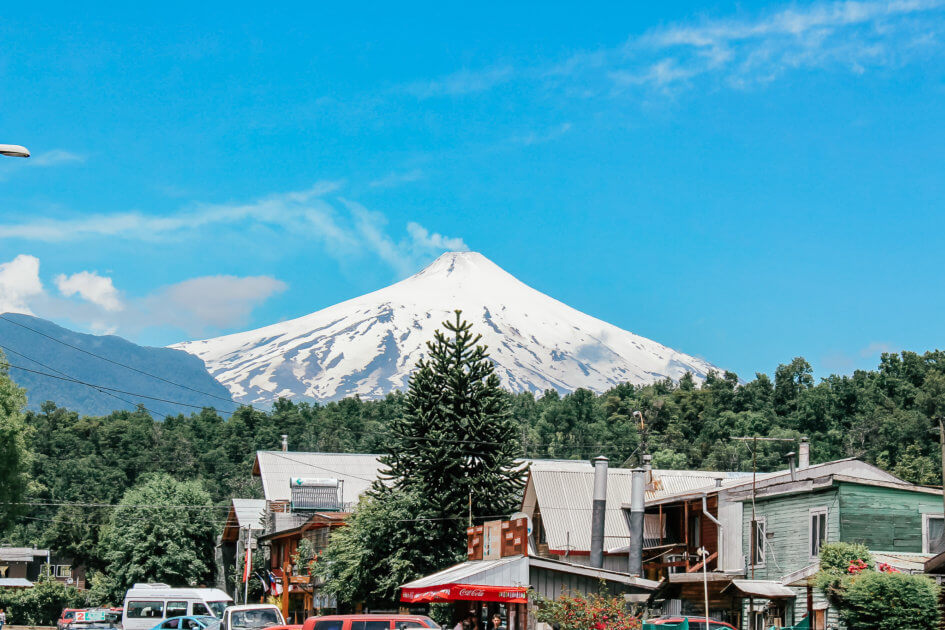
484	588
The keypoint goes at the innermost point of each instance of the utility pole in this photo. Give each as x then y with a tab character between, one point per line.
941	437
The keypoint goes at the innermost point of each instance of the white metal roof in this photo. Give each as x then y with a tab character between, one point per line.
358	471
142	590
511	571
249	512
15	583
768	589
21	554
563	493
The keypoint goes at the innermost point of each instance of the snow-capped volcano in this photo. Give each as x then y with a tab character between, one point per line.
370	344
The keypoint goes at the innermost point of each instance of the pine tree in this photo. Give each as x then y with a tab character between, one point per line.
456	442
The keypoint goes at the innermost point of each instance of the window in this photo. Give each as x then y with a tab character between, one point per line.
933	526
403	625
695	532
63	571
145	610
217	608
176	609
818	530
171	624
200	610
329	624
370	625
758	542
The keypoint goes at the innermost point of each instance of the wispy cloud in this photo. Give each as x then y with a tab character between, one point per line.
736	52
460	83
396	179
549	135
344	228
55	157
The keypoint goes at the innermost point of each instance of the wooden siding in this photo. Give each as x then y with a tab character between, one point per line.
884	519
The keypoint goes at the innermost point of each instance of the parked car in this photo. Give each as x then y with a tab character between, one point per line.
148	604
369	622
251	617
695	623
68	614
95	619
198	622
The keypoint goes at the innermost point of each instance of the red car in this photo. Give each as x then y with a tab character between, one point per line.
695	623
369	622
68	615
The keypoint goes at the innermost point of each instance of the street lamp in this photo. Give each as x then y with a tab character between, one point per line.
14	150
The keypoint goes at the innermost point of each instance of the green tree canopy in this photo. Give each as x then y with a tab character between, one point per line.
162	531
14	452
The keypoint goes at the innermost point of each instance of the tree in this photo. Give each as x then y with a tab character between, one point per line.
14	453
890	601
455	444
162	531
450	456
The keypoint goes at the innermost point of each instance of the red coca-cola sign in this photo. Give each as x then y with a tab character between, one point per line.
465	592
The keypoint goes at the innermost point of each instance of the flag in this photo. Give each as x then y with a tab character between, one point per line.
274	584
264	579
247	563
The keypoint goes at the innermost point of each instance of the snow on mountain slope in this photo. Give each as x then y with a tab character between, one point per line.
370	344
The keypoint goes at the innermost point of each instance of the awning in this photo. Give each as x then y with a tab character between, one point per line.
766	589
465	592
502	580
15	583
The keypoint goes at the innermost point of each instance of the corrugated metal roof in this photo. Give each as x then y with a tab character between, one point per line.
768	589
249	512
908	562
512	571
564	496
21	554
357	471
15	583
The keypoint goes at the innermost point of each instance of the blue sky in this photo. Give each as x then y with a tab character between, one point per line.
747	182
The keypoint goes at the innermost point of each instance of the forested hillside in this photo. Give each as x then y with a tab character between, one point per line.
82	464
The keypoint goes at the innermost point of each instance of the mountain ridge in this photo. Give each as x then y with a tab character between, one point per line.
368	345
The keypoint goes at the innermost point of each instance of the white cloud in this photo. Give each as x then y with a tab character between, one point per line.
19	284
876	347
395	179
424	240
55	157
461	83
91	287
209	302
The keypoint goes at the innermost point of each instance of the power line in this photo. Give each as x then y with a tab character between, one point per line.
118	363
111	389
48	367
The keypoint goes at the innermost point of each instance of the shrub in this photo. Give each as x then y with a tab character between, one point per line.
40	605
586	612
889	601
838	560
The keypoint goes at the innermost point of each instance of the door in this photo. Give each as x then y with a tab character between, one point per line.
820	620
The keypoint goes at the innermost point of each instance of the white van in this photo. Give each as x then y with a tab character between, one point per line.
146	605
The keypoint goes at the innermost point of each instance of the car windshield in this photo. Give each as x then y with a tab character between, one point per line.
261	618
217	608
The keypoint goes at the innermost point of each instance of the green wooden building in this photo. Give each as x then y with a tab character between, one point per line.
786	523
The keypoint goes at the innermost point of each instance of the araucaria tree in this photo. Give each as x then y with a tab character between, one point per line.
455	444
451	454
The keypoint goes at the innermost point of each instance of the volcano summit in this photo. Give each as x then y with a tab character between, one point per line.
369	345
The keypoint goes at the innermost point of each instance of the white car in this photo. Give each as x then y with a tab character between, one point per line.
251	617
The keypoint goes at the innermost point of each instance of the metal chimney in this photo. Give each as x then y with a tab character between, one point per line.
637	490
803	454
599	511
285	443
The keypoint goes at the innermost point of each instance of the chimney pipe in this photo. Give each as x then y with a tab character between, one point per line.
599	511
792	466
637	489
285	443
803	454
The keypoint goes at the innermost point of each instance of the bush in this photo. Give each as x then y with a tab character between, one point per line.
889	601
40	605
836	560
586	612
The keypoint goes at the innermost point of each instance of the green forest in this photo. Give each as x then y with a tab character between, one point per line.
77	466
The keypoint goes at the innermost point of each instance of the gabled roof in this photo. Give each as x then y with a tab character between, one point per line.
358	471
850	469
563	493
249	512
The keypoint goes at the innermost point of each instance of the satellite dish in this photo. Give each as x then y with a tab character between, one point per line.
528	520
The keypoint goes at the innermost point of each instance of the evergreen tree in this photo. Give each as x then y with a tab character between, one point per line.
456	443
14	453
